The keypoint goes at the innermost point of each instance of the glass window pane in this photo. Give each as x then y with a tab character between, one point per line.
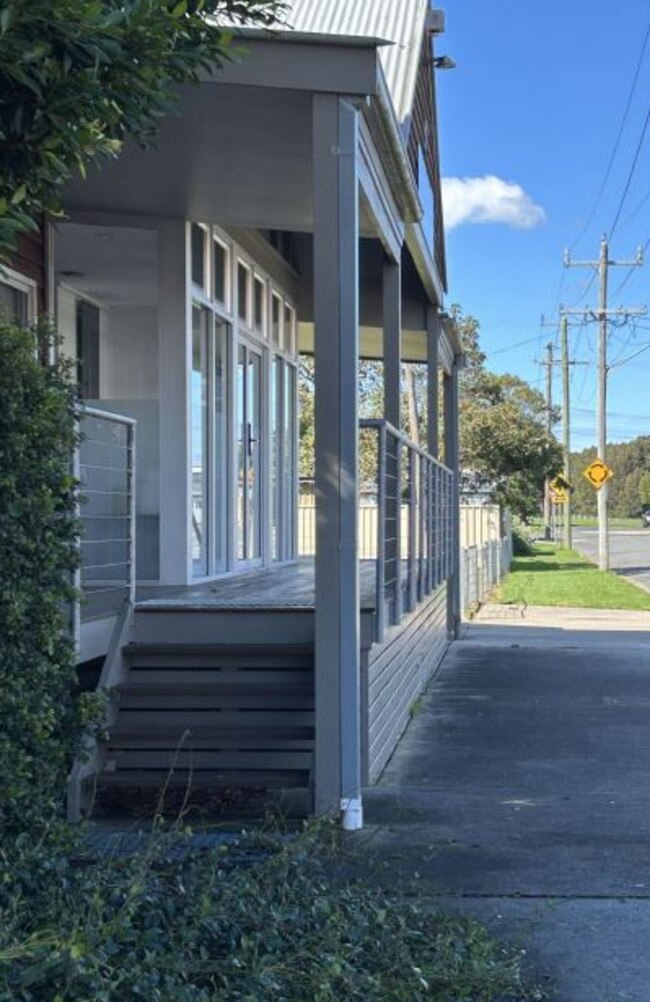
14	304
276	319
243	286
288	455
199	404
276	398
219	476
253	397
198	255
258	305
220	271
289	321
241	452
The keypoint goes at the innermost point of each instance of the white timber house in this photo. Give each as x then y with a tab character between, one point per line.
291	207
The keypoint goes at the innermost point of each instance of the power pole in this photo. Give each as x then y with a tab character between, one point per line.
548	511
566	426
602	265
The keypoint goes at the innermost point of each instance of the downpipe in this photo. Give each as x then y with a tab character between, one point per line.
351	814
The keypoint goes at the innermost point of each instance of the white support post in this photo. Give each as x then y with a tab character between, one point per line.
453	525
433	338
433	433
392	323
336	313
175	356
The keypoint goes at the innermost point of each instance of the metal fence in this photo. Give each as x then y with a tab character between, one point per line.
106	472
405	520
486	551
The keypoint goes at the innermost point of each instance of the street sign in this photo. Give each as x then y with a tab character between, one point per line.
561	484
598	473
558	496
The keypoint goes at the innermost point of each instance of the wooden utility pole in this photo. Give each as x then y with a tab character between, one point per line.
602	266
566	426
548	511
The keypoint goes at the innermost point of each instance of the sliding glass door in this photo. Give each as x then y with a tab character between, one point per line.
209	443
243	410
249	452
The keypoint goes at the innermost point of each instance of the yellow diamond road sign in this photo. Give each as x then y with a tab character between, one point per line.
561	485
598	473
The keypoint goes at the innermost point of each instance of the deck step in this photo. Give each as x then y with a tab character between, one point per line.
191	759
264	650
203	778
213	714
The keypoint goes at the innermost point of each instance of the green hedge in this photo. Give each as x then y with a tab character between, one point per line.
263	921
39	715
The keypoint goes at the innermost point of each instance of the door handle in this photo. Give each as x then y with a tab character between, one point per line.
250	438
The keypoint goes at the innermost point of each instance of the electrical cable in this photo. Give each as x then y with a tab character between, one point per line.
631	173
617	143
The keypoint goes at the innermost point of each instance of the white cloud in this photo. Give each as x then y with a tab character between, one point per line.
488	199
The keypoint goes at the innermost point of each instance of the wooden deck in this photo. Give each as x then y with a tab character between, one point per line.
287	587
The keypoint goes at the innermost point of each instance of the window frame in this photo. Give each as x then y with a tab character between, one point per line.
21	283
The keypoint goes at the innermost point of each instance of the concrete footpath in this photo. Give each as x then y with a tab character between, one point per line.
520	794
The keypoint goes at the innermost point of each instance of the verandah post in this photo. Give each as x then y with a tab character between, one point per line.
336	312
392	330
452	461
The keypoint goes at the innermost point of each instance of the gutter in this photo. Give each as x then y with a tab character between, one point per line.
384	126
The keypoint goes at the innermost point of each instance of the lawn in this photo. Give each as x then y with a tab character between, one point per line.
553	575
591	522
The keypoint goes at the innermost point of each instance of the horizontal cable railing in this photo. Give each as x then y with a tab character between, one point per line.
106	473
414	502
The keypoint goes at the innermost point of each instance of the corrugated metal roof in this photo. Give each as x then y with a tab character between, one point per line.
400	22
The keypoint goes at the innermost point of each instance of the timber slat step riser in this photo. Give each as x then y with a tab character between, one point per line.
209	715
204	778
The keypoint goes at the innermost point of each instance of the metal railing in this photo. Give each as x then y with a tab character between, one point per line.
105	467
485	553
414	552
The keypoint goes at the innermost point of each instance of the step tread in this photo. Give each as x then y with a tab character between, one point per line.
159	778
272	649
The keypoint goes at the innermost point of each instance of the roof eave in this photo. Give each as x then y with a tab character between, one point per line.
382	119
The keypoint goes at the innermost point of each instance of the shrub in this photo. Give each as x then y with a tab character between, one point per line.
39	715
219	925
521	547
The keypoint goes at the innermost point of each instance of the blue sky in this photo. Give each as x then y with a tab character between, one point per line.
536	101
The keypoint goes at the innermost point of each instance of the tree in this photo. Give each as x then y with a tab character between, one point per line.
503	436
630	462
644	489
77	77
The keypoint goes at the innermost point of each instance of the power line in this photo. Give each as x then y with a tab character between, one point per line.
617	365
511	347
631	173
617	143
627	278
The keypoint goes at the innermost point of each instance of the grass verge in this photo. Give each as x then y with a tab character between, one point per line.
556	576
166	924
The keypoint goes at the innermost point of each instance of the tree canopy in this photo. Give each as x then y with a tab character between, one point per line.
77	77
504	445
628	490
503	436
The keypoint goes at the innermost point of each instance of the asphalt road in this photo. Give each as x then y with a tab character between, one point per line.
629	551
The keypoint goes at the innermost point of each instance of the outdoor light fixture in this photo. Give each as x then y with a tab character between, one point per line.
443	63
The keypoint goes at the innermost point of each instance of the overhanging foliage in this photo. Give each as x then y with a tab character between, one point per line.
77	77
40	718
